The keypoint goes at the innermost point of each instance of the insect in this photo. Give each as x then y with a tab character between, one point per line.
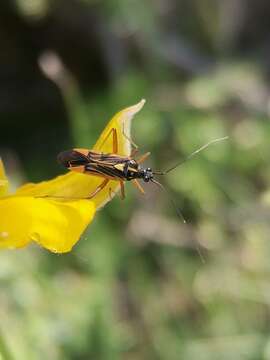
112	166
109	166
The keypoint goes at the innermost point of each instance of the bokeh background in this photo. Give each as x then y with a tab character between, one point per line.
134	286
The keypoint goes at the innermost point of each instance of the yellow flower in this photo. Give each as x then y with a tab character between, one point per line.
46	212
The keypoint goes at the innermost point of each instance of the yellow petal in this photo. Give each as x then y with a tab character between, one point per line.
3	180
55	225
52	213
75	185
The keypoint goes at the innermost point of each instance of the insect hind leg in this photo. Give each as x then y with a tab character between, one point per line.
135	149
98	189
112	132
89	197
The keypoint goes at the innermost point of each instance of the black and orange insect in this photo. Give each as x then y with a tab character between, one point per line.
112	166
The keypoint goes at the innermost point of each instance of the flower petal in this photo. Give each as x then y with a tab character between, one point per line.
76	185
55	225
52	213
3	180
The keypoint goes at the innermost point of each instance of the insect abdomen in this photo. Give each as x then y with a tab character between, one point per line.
72	158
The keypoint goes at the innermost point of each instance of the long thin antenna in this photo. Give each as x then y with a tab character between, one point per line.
178	211
171	199
190	156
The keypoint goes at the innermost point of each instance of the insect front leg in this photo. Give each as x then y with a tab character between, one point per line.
143	157
136	183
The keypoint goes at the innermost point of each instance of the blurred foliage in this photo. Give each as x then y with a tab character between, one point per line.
134	287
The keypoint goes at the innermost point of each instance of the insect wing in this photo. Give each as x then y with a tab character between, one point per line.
106	165
72	158
110	166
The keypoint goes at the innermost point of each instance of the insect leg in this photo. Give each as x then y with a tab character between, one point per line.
138	186
115	140
110	193
122	186
98	189
136	147
94	193
143	157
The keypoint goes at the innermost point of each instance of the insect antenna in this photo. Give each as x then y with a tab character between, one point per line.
178	211
190	156
180	215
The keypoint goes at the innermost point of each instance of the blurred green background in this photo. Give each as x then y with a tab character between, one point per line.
134	286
